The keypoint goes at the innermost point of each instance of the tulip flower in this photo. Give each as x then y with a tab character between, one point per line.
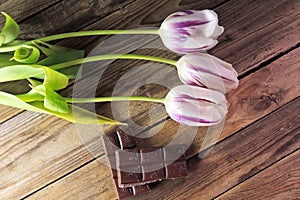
190	31
207	71
196	106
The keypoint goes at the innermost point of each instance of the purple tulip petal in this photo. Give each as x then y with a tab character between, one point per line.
186	24
188	97
184	119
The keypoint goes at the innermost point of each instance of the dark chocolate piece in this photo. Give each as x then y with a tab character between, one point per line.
116	141
146	165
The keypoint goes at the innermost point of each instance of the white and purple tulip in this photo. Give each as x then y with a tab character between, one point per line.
204	70
190	31
196	106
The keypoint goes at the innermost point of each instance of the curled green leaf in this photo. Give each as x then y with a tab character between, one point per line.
10	30
52	100
26	54
54	79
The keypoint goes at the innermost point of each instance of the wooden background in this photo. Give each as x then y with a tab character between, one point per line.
257	155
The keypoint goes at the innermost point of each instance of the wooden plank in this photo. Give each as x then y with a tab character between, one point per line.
229	163
280	181
8	112
255	33
23	9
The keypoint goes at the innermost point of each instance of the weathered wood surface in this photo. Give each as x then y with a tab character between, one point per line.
228	164
63	160
279	181
22	9
56	151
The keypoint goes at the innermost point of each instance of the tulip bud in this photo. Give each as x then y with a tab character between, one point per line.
207	71
196	106
190	31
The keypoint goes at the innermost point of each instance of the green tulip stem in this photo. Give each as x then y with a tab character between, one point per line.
112	56
114	98
81	34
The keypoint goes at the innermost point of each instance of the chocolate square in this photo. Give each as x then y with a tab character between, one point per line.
128	157
151	155
176	170
129	175
153	172
174	152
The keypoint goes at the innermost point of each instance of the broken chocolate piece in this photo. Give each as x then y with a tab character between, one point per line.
116	141
146	165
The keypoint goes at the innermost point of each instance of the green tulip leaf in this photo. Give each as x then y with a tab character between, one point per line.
75	114
26	54
50	49
34	82
52	78
52	100
31	96
78	115
19	72
15	43
71	72
5	60
12	100
10	31
1	39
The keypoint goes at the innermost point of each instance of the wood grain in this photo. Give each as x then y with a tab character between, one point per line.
8	112
66	161
254	32
42	139
22	9
86	12
279	181
230	162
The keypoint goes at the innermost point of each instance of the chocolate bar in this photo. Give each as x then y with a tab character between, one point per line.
113	142
137	167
